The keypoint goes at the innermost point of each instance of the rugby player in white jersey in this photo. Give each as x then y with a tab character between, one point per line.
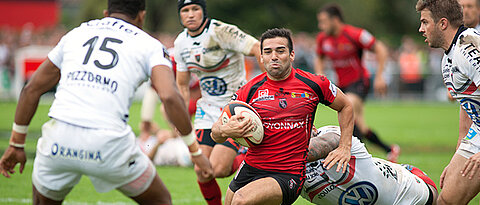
214	51
441	25
98	66
368	180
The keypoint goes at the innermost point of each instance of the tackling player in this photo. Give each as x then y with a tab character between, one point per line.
343	44
98	66
286	99
441	25
214	51
368	180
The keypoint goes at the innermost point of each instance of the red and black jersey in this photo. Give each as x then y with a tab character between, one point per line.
345	52
287	109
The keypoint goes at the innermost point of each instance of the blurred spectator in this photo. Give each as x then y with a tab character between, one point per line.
304	48
410	63
471	13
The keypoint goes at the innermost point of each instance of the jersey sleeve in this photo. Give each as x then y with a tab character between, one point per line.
469	54
319	41
56	54
328	90
180	63
365	39
159	56
230	37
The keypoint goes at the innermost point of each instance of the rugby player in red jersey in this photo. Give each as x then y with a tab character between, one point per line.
273	172
343	44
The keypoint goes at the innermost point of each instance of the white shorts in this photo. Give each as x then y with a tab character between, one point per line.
470	145
110	158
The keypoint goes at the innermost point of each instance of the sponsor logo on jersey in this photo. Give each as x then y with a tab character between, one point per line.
281	93
301	95
282	102
360	193
199	113
471	133
387	170
213	85
283	125
75	154
98	81
263	96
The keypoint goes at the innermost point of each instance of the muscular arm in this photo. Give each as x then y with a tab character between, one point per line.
322	145
318	65
255	51
44	79
464	124
344	108
183	81
381	53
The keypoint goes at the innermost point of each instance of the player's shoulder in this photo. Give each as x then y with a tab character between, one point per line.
262	78
350	29
181	37
310	76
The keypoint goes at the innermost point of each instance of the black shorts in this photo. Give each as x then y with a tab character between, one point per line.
203	137
291	184
360	88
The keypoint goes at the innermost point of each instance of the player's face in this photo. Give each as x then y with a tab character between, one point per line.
470	12
277	58
325	23
430	30
191	16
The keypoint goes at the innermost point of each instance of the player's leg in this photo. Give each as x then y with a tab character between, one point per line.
208	186
456	188
157	193
261	191
362	130
222	158
229	196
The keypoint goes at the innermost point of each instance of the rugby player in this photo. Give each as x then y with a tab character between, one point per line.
214	51
344	44
273	172
368	180
98	66
441	24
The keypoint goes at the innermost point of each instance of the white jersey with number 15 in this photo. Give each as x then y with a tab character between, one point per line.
102	62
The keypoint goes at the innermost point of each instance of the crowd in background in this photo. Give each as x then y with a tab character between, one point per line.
412	71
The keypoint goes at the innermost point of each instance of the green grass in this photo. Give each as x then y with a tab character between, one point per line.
426	132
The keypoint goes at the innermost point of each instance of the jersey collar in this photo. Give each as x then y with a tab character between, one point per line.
459	31
205	28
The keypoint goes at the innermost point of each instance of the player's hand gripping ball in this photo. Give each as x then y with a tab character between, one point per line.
247	111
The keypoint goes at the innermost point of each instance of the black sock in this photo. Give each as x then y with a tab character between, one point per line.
372	137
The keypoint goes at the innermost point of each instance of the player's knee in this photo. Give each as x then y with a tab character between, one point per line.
239	199
221	171
442	200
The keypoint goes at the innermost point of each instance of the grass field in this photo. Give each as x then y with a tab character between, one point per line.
426	132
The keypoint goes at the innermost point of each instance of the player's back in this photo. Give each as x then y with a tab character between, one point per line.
367	179
102	62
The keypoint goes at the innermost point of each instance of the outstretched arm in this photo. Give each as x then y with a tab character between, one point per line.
322	145
381	53
44	79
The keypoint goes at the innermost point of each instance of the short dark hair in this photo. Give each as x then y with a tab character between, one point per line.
449	9
127	7
333	10
277	32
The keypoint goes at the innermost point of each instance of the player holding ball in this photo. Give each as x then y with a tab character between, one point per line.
286	99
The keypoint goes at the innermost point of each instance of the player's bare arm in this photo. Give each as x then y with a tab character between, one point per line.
45	78
322	145
318	65
381	53
162	77
255	51
183	80
237	126
344	107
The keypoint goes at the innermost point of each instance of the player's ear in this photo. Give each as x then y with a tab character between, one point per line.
105	13
292	55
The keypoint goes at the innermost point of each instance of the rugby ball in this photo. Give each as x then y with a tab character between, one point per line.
244	109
